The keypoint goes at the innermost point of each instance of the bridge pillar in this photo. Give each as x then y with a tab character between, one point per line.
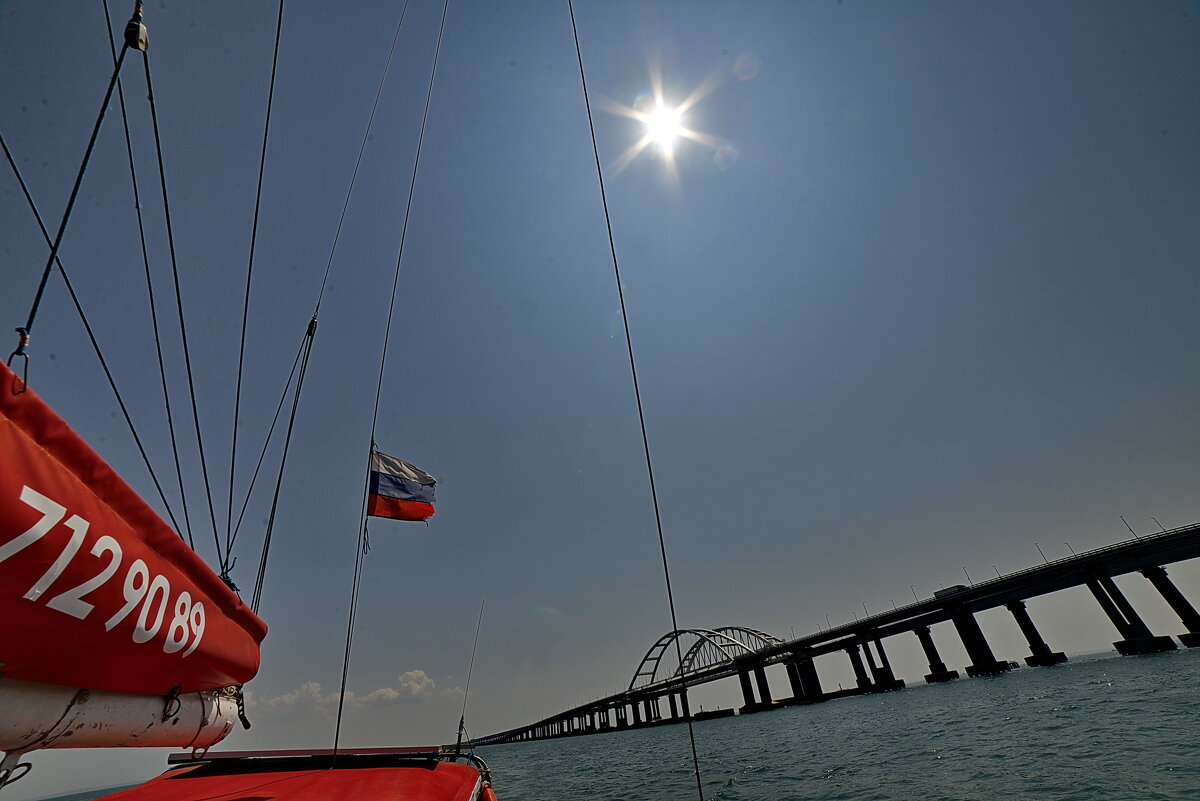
747	692
1171	594
983	661
885	679
1138	639
810	683
1040	653
635	706
653	712
793	674
674	706
622	717
684	706
764	689
937	668
860	673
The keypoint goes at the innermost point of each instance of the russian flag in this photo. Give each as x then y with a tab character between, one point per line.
399	490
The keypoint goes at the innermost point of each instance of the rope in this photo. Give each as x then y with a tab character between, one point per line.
62	227
662	545
362	540
162	369
462	718
287	441
187	360
358	162
311	332
237	398
91	335
306	346
266	443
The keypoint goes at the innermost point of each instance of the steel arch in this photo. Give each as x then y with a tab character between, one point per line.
711	647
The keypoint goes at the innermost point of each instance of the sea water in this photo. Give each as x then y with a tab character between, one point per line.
1097	728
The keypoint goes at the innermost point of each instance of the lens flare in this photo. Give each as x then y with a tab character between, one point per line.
663	123
663	126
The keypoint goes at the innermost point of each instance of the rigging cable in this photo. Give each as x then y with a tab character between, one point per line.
462	718
310	333
256	598
237	398
162	370
266	443
25	331
662	545
91	335
362	537
187	359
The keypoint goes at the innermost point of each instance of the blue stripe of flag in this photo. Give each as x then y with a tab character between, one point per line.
396	487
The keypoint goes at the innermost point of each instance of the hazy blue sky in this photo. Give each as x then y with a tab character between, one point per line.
932	301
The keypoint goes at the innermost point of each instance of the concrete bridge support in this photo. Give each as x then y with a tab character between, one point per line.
1040	653
747	691
674	706
983	661
1171	594
802	678
860	672
1138	639
885	679
685	706
764	688
937	668
810	682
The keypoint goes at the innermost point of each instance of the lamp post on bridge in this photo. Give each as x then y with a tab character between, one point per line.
913	587
1131	531
1044	559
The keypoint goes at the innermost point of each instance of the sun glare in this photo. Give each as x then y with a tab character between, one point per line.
663	123
663	126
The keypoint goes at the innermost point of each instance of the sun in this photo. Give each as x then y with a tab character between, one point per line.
663	126
663	122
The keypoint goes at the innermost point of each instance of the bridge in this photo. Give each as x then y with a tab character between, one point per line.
690	657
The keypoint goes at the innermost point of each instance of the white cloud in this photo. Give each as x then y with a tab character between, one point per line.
411	687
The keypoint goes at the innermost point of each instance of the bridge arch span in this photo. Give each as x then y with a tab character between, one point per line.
701	648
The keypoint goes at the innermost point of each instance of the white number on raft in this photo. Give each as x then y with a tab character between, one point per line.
158	586
71	601
140	586
52	513
79	528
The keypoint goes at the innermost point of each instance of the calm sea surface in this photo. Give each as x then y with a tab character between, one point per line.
1095	728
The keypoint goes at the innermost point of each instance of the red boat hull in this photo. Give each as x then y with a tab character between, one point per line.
315	778
96	590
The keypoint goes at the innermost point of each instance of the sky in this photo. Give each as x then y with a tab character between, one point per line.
920	301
